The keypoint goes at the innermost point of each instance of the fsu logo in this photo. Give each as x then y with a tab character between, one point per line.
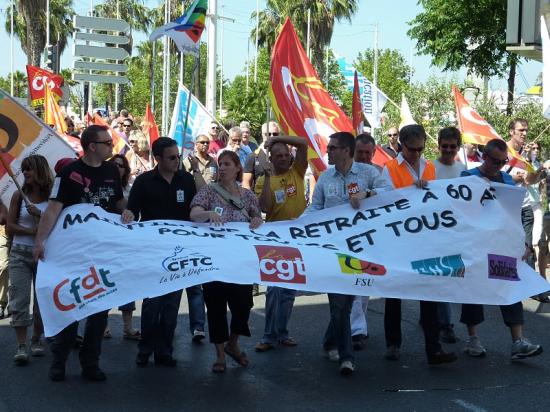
353	266
281	264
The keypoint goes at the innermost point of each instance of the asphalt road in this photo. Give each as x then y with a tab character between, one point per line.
293	379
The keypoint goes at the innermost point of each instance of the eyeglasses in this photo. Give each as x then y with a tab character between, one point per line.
273	134
330	148
204	142
236	140
127	125
173	157
393	134
497	162
132	141
214	127
449	146
414	149
106	142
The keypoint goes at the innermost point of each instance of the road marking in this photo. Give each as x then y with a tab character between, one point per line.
469	406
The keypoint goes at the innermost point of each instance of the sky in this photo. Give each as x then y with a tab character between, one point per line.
348	40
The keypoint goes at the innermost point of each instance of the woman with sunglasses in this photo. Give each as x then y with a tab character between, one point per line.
227	202
23	217
127	310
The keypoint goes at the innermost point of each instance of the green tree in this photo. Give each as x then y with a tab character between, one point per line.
464	33
20	84
30	25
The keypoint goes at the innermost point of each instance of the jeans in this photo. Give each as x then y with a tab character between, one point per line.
338	334
278	308
358	316
528	220
91	346
159	318
4	251
197	313
444	315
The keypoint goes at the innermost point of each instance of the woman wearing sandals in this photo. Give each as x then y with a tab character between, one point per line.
127	310
227	201
23	217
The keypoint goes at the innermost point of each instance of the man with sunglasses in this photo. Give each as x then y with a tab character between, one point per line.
216	144
495	156
407	169
89	179
205	165
162	193
392	148
257	161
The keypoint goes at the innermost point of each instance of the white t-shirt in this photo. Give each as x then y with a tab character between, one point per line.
448	172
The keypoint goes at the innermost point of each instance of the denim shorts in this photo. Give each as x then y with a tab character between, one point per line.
22	273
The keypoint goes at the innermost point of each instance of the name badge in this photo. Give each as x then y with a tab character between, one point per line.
213	169
332	190
280	196
180	196
218	210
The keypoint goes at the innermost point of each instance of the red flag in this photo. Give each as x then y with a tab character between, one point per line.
356	108
37	79
89	119
380	157
301	104
118	141
150	127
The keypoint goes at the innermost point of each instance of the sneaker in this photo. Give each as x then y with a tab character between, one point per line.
441	357
359	342
522	349
37	349
392	353
198	336
21	356
255	289
332	355
474	347
346	368
448	335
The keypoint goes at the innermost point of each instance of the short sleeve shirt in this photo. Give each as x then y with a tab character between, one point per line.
79	183
209	199
256	163
208	168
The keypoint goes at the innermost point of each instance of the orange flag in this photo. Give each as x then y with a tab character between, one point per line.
356	108
150	127
476	130
118	141
301	104
52	113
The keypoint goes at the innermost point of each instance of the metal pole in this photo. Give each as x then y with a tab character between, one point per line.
153	55
308	33
166	73
221	65
256	52
188	106
47	23
326	69
247	63
116	73
11	47
90	84
182	56
211	67
375	77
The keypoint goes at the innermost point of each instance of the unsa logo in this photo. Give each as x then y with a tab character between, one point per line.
281	264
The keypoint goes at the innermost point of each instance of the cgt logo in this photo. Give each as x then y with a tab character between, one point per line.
451	266
353	266
281	264
92	285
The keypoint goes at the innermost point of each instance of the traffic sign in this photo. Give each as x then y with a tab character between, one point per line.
100	78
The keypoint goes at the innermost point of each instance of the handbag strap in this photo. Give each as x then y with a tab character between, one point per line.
229	198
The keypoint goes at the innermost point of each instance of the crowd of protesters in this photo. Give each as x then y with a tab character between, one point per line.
231	178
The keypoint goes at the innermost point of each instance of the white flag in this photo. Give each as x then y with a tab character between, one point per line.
545	68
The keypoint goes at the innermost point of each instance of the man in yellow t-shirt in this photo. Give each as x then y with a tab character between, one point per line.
282	197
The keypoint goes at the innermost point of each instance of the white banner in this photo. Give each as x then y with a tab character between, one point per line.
459	241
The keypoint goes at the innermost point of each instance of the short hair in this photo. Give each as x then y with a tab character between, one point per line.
124	113
410	132
515	121
235	130
498	144
236	161
128	120
162	143
89	135
345	139
265	128
449	133
365	138
244	125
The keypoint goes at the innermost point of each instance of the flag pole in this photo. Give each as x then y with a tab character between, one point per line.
12	176
188	105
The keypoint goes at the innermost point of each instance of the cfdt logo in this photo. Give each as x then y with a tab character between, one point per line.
281	264
82	289
353	266
451	266
181	259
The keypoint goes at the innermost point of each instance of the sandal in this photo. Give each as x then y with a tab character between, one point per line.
240	358
132	335
263	347
218	367
288	342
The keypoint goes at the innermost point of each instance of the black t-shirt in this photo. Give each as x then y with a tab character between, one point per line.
79	183
152	197
256	164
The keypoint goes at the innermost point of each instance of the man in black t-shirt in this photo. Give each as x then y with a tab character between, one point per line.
87	180
164	193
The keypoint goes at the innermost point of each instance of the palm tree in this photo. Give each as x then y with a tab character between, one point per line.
20	84
324	14
30	25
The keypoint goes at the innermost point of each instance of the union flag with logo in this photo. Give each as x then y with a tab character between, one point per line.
38	78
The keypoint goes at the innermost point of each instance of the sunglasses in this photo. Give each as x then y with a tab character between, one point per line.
106	142
173	157
497	162
204	142
214	127
449	146
415	149
127	125
392	135
273	134
330	148
132	141
236	140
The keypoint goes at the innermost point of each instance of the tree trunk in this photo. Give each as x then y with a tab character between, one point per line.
511	83
33	12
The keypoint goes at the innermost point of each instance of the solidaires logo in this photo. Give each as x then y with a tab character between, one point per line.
354	266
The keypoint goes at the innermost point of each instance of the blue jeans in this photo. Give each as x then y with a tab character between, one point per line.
278	308
444	315
338	334
195	300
